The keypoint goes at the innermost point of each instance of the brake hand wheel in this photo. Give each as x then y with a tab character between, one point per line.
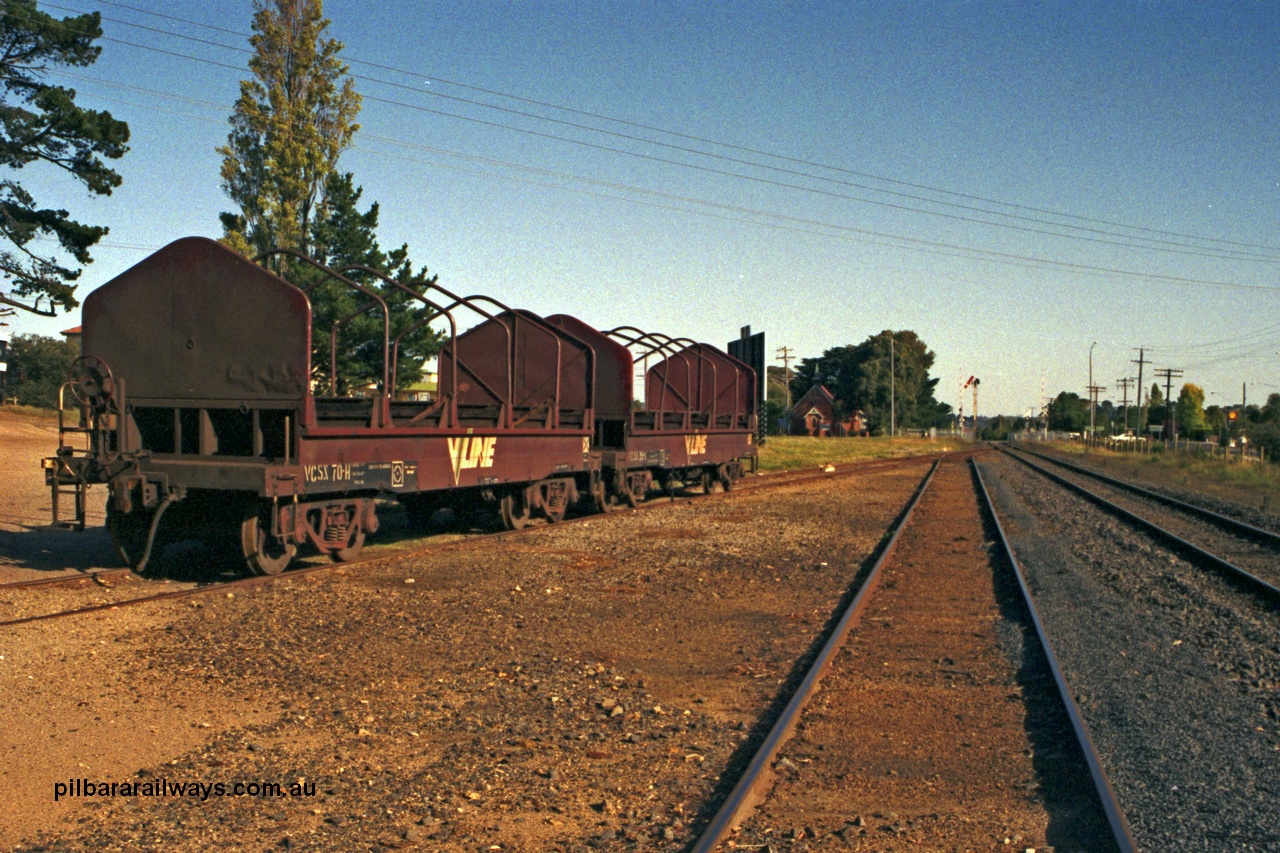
92	384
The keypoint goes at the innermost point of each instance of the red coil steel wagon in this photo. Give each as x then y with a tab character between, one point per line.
201	416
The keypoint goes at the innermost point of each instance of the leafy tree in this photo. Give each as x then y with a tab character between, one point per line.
1001	427
1265	435
775	406
38	366
290	124
345	237
1068	412
42	123
1157	410
859	377
1215	419
1107	415
1270	411
1189	411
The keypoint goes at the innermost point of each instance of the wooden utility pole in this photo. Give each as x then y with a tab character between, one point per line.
784	355
1142	417
1094	391
1169	374
893	403
1123	385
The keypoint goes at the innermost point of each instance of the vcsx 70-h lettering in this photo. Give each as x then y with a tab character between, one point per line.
695	445
471	451
327	473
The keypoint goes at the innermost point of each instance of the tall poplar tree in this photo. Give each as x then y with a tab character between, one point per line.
41	123
291	122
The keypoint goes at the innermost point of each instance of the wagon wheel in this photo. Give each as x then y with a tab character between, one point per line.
91	381
726	478
515	511
604	498
262	553
709	481
129	532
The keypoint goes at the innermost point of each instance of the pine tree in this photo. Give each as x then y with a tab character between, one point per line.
290	124
42	123
344	237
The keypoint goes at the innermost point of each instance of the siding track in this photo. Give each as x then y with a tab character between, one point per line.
926	731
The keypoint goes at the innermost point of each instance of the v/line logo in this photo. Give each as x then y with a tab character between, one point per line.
471	451
695	445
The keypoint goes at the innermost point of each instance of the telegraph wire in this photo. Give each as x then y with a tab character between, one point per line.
730	146
1154	243
800	224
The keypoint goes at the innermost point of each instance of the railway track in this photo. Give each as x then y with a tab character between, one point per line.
861	744
1243	553
97	591
1175	670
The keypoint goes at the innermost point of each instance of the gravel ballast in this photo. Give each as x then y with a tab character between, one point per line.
1174	669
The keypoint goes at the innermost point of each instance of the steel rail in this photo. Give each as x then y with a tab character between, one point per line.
163	596
66	579
748	792
1227	569
1106	794
1235	525
413	550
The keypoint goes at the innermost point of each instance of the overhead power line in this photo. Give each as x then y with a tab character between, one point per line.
764	218
1088	233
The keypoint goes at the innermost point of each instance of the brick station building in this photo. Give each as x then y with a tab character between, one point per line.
814	414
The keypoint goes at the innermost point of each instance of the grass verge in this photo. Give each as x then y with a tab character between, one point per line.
28	413
795	453
1248	483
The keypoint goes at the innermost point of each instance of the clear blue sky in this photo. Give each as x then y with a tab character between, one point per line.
1013	181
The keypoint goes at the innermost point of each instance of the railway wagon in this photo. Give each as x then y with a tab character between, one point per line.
697	423
200	413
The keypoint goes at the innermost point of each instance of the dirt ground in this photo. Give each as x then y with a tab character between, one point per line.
585	684
28	547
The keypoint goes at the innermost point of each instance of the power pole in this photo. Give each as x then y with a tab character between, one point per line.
784	355
1123	385
1094	391
1142	417
1169	374
893	403
1044	409
1093	399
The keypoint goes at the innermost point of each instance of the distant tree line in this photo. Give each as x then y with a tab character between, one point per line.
1069	412
37	367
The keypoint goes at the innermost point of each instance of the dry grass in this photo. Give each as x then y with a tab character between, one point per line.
794	453
28	413
1247	483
